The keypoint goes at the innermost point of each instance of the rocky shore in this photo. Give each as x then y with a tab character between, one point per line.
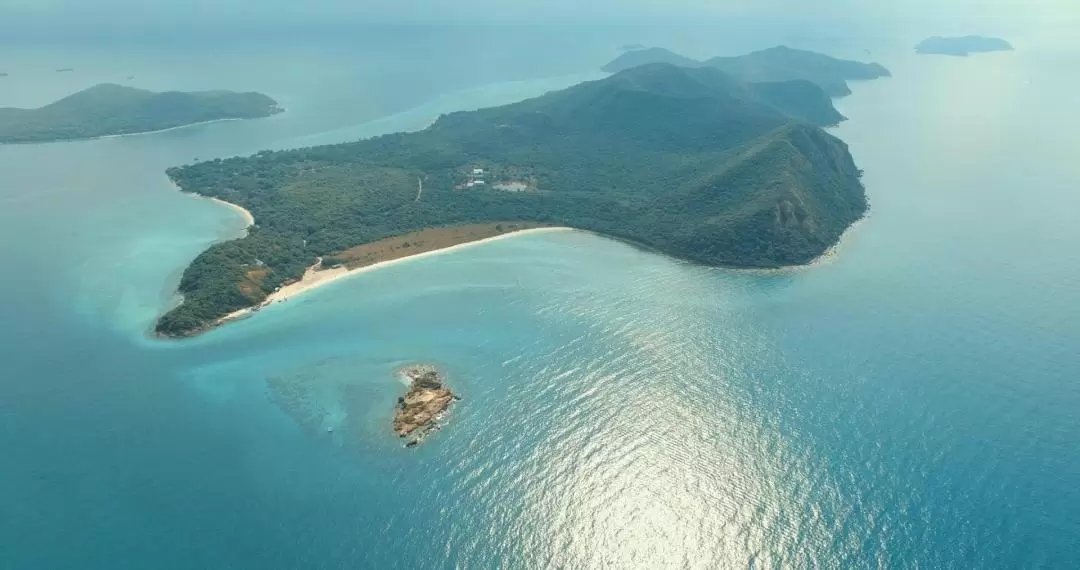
418	412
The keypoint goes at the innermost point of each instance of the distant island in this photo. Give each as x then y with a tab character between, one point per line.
419	411
631	47
685	161
109	109
962	46
774	64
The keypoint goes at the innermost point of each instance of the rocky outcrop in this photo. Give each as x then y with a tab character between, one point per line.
419	411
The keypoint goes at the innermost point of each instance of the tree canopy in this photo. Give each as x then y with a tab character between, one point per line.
109	109
689	162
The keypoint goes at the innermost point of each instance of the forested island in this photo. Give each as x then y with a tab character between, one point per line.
687	161
780	63
109	109
962	46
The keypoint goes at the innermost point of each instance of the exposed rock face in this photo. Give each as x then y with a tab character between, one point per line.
418	412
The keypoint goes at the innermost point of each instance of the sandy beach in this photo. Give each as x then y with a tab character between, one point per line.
248	218
177	127
165	130
313	278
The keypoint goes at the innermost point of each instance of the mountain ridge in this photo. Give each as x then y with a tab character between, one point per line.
780	63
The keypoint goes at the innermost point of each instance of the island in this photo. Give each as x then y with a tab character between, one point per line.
779	63
962	46
688	162
110	109
423	406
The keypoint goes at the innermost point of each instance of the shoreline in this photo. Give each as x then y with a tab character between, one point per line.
141	133
827	257
249	218
315	278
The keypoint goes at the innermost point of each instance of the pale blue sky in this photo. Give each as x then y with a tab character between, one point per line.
935	16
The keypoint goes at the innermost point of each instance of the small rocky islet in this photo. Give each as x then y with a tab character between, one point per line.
420	410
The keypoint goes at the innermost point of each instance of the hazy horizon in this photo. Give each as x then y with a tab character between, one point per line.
126	20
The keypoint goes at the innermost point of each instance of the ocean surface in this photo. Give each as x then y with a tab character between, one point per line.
913	402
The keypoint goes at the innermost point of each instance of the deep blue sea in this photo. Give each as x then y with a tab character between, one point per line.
914	402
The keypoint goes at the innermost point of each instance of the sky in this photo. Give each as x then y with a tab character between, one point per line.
119	17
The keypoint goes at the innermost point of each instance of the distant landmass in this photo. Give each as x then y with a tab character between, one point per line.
631	47
962	46
686	161
774	64
109	109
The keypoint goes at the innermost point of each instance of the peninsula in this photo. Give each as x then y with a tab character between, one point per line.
419	411
962	46
685	161
109	109
780	63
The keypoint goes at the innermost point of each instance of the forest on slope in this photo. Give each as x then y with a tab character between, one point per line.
688	161
779	63
109	109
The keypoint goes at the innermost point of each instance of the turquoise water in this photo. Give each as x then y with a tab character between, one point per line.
910	403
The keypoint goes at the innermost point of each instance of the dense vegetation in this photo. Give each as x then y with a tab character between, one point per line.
774	64
961	46
109	109
689	162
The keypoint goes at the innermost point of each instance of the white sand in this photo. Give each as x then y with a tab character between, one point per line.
314	279
184	126
243	212
248	218
141	133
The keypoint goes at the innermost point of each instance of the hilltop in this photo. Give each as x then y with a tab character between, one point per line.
109	109
774	64
962	46
689	162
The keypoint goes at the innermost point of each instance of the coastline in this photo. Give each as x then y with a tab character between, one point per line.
249	218
140	133
825	258
314	278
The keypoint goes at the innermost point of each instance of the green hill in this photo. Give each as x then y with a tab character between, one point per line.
689	162
109	109
770	65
